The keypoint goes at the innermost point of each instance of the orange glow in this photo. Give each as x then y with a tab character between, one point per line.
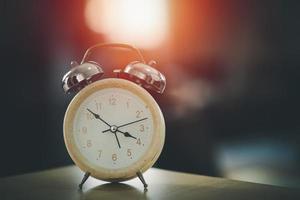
143	23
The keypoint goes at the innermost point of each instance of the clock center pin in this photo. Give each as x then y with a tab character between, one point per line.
113	128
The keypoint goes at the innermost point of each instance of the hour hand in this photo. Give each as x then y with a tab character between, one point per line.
98	117
126	134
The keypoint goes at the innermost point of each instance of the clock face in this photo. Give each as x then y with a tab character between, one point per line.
113	128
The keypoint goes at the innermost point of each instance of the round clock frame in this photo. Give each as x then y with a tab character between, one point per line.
145	161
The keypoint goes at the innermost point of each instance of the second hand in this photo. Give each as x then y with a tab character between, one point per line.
126	124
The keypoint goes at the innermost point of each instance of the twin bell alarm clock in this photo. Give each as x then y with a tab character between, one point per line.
113	128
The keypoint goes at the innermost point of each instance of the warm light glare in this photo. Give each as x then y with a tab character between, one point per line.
143	23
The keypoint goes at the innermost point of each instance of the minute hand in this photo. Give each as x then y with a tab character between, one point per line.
127	124
98	117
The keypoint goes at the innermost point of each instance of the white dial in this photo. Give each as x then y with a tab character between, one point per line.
113	128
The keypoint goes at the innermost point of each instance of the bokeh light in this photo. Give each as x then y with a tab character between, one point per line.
140	22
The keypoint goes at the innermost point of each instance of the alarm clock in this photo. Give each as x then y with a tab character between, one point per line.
113	128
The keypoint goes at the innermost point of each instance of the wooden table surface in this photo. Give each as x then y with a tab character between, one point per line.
62	183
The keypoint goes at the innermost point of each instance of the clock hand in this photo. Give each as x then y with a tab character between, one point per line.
98	117
126	134
132	122
126	124
117	139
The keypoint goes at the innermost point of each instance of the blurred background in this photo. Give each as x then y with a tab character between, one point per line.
232	67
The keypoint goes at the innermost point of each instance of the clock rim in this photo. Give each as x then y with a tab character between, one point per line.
144	162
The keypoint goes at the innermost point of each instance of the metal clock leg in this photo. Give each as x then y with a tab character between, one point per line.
85	177
140	175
